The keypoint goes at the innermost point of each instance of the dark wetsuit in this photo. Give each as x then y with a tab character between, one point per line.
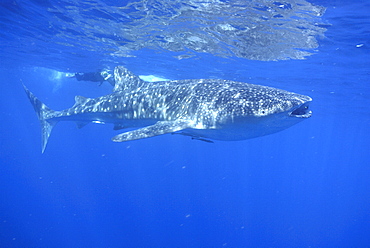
90	76
95	77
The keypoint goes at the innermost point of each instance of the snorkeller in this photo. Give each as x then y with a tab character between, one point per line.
100	76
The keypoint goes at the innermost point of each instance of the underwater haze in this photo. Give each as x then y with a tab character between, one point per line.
307	186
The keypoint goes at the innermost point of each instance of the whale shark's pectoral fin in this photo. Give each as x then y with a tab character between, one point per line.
161	127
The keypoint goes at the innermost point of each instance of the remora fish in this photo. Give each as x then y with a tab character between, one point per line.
201	108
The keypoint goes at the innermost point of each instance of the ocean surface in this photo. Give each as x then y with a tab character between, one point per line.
307	186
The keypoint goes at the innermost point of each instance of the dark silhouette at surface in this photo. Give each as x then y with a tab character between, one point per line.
101	76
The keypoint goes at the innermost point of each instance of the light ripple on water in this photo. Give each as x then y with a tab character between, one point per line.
257	30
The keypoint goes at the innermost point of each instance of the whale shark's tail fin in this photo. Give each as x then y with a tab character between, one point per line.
42	112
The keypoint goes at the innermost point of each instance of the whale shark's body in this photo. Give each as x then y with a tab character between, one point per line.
201	108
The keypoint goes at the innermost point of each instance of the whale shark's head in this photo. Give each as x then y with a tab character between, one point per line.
270	101
280	113
259	111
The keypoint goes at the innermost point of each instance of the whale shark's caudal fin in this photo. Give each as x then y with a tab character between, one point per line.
42	112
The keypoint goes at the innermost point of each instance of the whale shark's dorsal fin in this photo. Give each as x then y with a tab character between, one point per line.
159	128
126	80
80	100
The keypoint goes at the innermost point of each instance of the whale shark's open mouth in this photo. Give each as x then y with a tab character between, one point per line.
302	111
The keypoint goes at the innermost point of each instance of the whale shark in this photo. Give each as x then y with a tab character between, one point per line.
204	109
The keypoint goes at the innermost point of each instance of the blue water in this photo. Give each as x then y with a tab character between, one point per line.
307	186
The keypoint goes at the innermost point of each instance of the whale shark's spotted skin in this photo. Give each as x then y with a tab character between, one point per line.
203	109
